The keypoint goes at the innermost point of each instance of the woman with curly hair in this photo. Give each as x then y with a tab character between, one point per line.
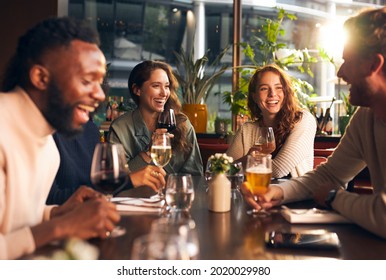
272	102
153	87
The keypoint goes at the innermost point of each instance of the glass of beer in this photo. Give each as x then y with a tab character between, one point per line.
258	173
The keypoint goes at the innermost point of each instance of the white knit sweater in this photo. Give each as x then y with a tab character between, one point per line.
296	156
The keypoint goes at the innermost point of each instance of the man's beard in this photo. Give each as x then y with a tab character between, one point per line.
58	113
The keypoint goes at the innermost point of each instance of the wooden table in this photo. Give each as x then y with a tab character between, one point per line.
235	235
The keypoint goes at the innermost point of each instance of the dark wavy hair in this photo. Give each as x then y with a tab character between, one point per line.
367	32
48	35
140	74
290	113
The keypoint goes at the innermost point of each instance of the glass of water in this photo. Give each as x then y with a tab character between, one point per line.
160	246
179	192
183	227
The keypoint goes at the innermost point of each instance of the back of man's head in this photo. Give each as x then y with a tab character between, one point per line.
47	35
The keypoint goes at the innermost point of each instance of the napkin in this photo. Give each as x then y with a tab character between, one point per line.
313	216
138	205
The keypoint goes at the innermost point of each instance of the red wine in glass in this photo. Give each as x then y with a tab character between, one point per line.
167	120
108	169
109	173
109	184
169	127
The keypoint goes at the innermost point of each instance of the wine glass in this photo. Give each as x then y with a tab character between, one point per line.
208	174
236	176
258	173
167	119
161	153
265	142
109	173
184	227
160	246
179	192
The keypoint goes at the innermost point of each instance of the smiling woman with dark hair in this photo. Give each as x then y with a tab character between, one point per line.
153	87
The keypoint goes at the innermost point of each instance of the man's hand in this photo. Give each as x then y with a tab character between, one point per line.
94	217
273	197
82	194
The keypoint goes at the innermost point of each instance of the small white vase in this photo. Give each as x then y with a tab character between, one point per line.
219	193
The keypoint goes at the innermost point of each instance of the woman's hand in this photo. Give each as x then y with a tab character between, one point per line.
151	176
254	150
163	130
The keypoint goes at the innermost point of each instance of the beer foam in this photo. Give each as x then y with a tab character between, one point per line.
259	169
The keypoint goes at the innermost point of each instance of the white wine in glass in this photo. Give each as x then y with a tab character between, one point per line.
161	152
265	142
161	155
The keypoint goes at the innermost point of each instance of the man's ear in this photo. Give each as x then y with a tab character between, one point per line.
377	63
39	76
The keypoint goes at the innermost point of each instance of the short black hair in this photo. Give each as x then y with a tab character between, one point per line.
48	34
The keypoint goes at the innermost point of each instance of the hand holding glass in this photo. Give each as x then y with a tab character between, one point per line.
258	173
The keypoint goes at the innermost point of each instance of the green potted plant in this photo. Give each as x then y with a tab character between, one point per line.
196	79
349	109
